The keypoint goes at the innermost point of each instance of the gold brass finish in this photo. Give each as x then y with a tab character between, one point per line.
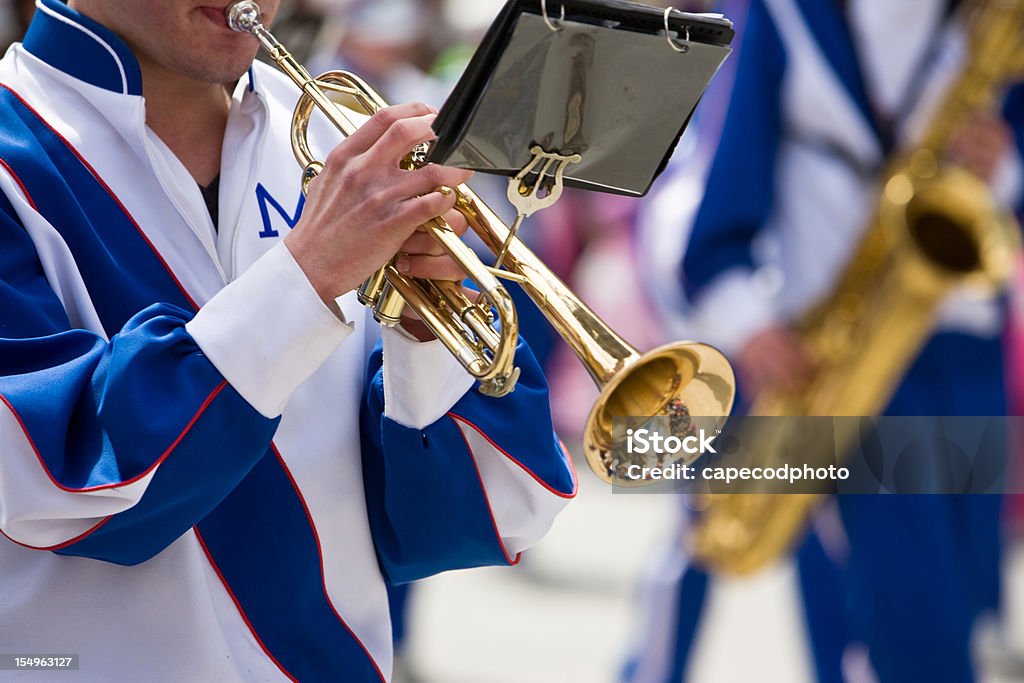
633	383
451	316
936	228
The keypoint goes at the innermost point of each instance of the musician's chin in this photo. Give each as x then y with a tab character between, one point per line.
230	66
219	67
217	55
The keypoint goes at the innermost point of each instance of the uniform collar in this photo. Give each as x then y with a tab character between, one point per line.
86	50
830	27
82	48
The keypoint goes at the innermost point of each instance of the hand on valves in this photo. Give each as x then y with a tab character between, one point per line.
981	144
363	209
773	357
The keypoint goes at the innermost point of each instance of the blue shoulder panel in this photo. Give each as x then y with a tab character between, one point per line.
263	544
741	185
106	398
831	29
428	510
123	272
100	415
75	44
1013	112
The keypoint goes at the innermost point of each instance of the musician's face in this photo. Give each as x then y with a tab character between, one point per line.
185	37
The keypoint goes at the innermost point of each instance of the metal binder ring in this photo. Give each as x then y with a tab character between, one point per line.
547	20
668	34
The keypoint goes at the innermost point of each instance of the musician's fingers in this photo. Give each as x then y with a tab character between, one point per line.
785	372
771	374
429	178
381	122
991	138
457	222
789	367
981	159
400	137
430	267
774	357
959	152
422	243
420	209
980	145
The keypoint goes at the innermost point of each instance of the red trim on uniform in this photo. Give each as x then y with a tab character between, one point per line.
497	534
568	459
133	480
24	190
238	606
173	277
320	554
106	187
551	489
59	546
170	449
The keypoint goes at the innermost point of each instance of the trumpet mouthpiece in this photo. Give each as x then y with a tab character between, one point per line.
243	16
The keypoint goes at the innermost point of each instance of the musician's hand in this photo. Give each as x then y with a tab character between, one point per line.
421	256
774	357
981	144
363	208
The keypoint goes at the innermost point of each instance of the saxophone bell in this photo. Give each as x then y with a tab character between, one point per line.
936	227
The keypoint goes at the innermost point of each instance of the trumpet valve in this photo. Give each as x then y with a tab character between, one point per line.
312	170
501	385
390	305
369	293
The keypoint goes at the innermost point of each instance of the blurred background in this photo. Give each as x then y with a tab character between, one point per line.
610	594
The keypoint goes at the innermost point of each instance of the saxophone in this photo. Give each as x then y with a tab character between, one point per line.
936	227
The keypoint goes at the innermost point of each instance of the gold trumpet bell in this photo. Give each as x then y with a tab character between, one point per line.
680	378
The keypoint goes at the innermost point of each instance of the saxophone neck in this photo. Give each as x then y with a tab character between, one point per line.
993	38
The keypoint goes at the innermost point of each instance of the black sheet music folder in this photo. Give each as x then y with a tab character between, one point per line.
604	81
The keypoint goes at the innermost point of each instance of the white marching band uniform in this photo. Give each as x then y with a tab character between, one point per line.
204	473
791	188
829	149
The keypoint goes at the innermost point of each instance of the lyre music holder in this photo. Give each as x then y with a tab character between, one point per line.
584	94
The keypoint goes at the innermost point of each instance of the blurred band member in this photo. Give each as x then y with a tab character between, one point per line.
382	41
825	91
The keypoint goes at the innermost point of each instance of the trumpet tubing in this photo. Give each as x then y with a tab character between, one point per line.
487	355
631	382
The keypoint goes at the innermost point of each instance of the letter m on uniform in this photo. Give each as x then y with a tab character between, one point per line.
267	202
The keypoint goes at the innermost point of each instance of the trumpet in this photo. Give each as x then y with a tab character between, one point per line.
482	334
